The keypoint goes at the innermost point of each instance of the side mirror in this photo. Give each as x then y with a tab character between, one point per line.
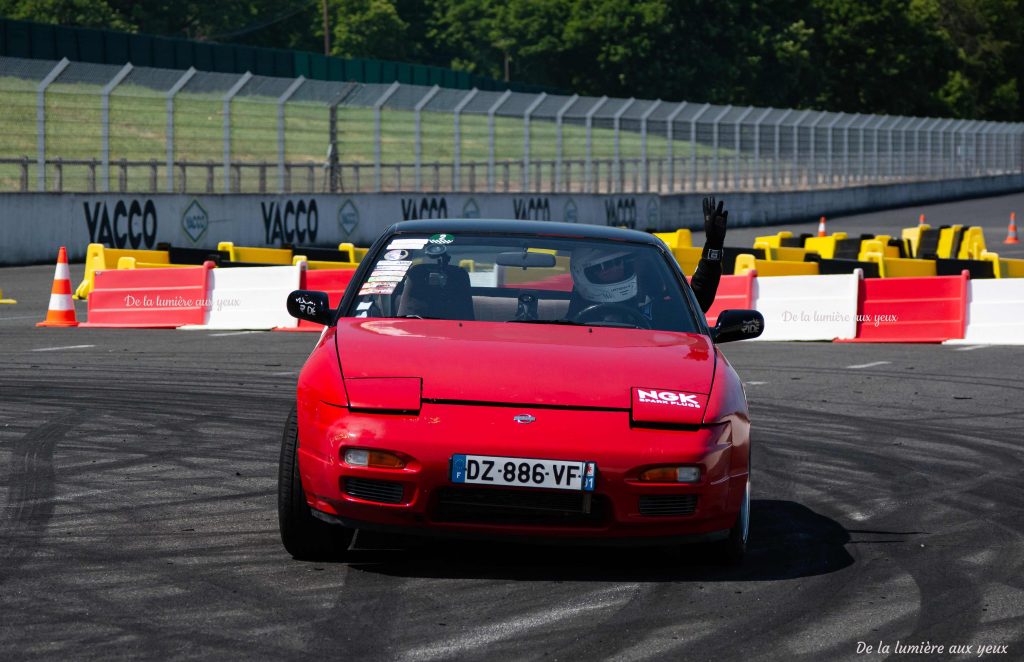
737	325
310	305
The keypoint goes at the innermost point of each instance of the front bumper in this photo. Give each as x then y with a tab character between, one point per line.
419	498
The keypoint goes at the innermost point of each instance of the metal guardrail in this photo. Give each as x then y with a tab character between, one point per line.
78	127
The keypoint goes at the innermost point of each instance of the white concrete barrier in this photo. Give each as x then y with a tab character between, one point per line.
995	312
808	307
251	298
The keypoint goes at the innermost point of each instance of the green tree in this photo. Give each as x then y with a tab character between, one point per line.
81	13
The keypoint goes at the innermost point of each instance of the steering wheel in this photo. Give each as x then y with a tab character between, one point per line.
592	313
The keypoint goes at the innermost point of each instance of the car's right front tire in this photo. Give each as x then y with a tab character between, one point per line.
304	536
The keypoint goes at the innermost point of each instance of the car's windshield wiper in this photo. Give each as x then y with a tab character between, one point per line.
567	322
418	317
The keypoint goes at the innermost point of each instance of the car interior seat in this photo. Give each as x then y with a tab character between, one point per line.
439	291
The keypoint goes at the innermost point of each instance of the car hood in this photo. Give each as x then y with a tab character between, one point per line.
495	362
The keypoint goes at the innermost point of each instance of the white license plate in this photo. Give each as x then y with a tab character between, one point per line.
523	472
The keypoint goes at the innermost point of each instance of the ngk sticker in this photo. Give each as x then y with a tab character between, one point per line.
672	398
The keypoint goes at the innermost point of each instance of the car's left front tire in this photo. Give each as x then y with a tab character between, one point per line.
304	537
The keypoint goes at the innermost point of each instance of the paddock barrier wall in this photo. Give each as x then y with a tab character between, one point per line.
33	225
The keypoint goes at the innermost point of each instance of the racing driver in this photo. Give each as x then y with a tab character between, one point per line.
601	277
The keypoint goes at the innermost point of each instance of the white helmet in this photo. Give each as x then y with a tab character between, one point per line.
604	276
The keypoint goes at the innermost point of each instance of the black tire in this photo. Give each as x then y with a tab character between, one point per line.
732	550
304	537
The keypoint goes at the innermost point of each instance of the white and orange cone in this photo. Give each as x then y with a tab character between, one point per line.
821	227
920	219
62	309
1011	232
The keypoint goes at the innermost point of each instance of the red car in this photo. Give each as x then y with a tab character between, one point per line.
517	379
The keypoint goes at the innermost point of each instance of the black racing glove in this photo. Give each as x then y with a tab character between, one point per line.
715	219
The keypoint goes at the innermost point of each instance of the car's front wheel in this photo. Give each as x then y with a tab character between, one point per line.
734	548
304	536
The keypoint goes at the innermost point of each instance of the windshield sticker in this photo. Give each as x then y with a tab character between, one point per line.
391	266
386	278
413	244
377	288
442	239
673	398
364	305
396	255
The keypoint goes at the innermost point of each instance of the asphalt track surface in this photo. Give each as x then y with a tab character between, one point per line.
138	474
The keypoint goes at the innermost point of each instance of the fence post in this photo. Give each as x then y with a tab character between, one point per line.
588	164
490	138
457	138
525	184
795	168
777	147
757	147
693	146
281	101
813	172
616	119
418	136
333	149
829	150
105	121
235	89
644	175
377	149
558	141
738	142
917	146
670	128
846	148
41	122
171	93
715	126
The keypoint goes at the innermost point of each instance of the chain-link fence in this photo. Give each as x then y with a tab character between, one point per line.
81	127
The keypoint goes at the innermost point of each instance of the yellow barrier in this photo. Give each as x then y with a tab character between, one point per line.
1003	267
772	240
3	300
824	246
355	253
253	254
746	262
322	264
972	245
679	239
687	257
98	257
887	250
129	262
913	235
899	267
946	238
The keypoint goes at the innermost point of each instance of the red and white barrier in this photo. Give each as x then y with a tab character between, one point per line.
995	312
931	309
808	307
149	298
251	298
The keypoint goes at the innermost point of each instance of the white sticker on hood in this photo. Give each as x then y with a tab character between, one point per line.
672	398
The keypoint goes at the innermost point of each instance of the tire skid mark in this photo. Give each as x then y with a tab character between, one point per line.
30	494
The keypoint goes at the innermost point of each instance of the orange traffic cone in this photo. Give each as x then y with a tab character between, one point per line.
1011	232
821	227
62	309
920	219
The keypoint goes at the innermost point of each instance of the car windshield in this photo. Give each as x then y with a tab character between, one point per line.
531	280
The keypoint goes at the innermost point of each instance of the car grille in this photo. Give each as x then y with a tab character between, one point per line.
668	504
381	491
511	506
